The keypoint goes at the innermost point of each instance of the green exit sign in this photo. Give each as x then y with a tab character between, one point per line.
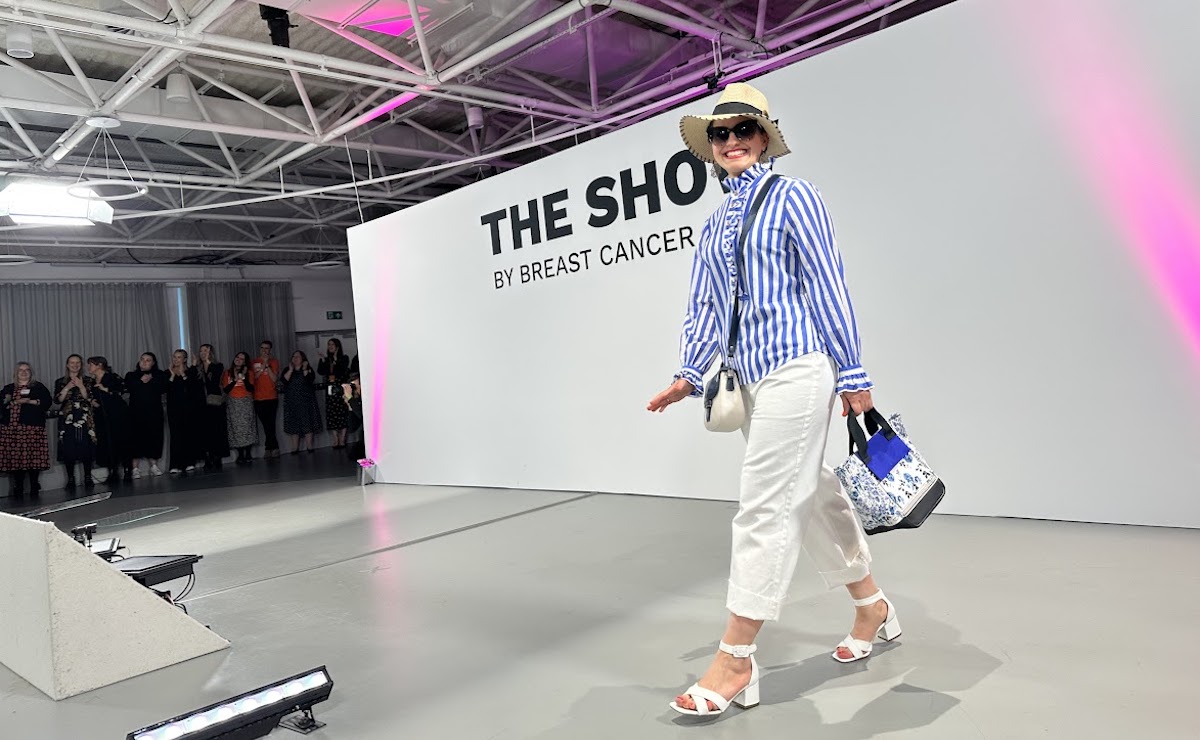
333	315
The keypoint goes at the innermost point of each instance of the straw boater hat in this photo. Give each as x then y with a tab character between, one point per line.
738	99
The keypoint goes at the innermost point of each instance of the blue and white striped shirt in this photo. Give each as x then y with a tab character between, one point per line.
793	293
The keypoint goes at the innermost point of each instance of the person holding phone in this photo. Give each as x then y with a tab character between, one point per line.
213	437
301	418
352	397
24	449
334	369
76	425
237	383
265	370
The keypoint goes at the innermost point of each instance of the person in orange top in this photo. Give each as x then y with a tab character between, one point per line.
237	383
265	373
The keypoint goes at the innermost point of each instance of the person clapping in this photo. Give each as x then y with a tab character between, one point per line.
24	450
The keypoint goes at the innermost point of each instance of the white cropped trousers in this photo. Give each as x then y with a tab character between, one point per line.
790	499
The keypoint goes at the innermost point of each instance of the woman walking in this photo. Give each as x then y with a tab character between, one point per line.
76	425
24	449
238	385
797	349
146	387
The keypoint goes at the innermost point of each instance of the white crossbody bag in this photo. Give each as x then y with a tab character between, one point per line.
724	407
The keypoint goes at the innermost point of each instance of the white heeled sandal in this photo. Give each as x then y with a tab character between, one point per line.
889	631
746	698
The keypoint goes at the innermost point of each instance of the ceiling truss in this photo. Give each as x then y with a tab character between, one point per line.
281	149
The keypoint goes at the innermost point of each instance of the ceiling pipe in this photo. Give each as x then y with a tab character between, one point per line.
513	39
680	24
370	46
817	26
225	128
830	16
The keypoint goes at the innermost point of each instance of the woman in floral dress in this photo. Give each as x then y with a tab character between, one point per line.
76	425
24	450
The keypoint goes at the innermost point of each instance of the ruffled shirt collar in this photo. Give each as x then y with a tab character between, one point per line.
743	182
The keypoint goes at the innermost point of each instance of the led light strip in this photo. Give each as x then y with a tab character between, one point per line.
277	696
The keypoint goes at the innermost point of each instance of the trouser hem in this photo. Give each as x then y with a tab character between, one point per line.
858	570
750	605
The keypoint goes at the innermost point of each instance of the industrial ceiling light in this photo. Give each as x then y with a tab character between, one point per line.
15	260
277	23
19	41
89	189
101	121
250	715
324	265
179	88
49	204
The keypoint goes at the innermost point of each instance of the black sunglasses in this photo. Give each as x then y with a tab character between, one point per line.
743	131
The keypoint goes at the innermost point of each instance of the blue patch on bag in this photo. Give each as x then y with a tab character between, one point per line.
885	453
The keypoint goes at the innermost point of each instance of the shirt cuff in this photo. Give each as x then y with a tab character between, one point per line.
853	378
694	377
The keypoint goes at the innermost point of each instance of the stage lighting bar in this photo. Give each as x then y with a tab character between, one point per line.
250	715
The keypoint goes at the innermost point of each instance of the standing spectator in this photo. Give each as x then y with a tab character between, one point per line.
301	418
112	420
185	404
146	387
76	425
352	395
334	369
214	437
24	449
266	395
239	389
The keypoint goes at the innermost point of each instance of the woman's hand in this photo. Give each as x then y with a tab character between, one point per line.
857	401
677	391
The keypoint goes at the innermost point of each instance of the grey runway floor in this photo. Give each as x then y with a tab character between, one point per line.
467	613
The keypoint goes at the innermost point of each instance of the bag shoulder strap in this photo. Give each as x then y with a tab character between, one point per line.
743	235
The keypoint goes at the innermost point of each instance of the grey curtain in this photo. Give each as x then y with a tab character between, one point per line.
235	317
42	323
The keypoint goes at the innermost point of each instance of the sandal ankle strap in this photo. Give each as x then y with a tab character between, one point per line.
877	596
739	651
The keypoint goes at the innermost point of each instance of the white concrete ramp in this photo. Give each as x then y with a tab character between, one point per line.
70	622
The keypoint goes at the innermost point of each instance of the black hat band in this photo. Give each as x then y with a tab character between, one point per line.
730	109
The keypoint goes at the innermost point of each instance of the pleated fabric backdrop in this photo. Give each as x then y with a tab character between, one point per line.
235	317
42	323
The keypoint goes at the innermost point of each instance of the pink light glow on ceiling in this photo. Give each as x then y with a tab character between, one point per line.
1103	97
391	28
391	17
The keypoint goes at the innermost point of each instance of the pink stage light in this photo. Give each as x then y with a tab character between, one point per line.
382	366
1104	101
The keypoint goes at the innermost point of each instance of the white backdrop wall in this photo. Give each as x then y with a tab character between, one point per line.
1014	186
